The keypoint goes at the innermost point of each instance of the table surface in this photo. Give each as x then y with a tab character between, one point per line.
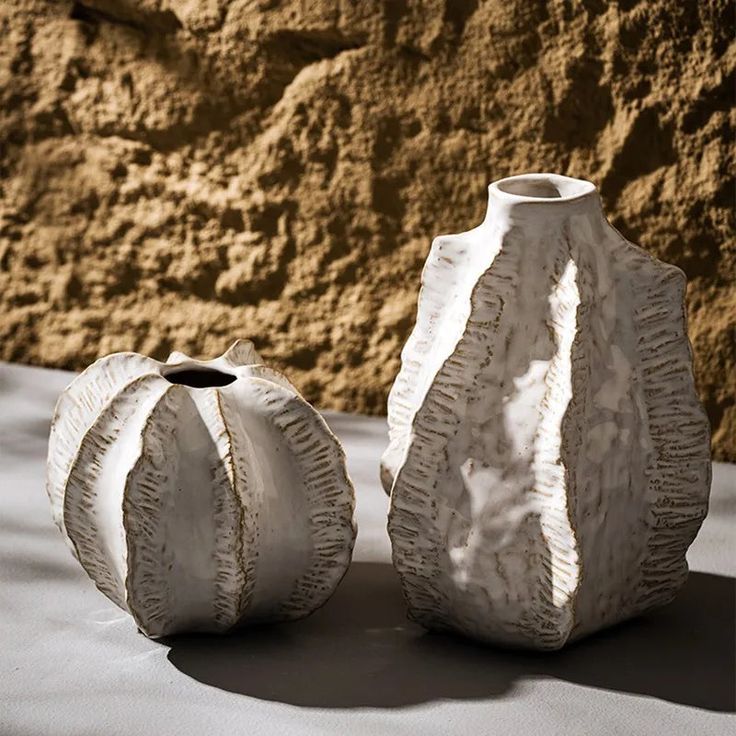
72	663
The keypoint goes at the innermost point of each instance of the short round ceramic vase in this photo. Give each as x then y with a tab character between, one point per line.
200	495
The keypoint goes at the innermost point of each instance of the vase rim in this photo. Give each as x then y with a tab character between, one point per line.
541	188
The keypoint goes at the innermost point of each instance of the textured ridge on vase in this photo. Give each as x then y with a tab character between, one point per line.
199	506
98	454
147	499
548	458
76	410
238	508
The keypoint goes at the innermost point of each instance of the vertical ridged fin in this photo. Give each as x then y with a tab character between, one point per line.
75	411
236	489
320	462
90	498
149	495
444	298
677	494
553	458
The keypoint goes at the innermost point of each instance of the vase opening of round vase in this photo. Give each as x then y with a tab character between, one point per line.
548	458
198	377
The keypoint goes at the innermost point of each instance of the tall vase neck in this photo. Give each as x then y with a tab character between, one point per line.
536	198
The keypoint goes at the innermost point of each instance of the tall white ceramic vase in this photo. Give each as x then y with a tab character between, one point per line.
549	459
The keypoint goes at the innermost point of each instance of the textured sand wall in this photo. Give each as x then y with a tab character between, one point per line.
178	173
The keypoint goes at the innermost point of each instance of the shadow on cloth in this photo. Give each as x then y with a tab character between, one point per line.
361	651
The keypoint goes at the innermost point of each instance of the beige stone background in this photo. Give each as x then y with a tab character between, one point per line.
176	173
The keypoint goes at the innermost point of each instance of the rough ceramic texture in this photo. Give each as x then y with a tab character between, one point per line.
200	508
549	458
172	170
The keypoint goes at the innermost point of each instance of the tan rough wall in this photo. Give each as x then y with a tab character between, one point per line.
179	173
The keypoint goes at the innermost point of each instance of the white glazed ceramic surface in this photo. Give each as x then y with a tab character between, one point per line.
549	459
199	508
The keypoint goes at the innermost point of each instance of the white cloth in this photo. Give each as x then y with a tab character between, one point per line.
73	663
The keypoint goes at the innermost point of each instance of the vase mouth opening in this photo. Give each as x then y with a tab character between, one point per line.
541	188
198	377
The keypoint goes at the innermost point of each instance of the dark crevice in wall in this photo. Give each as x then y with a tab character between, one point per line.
164	21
